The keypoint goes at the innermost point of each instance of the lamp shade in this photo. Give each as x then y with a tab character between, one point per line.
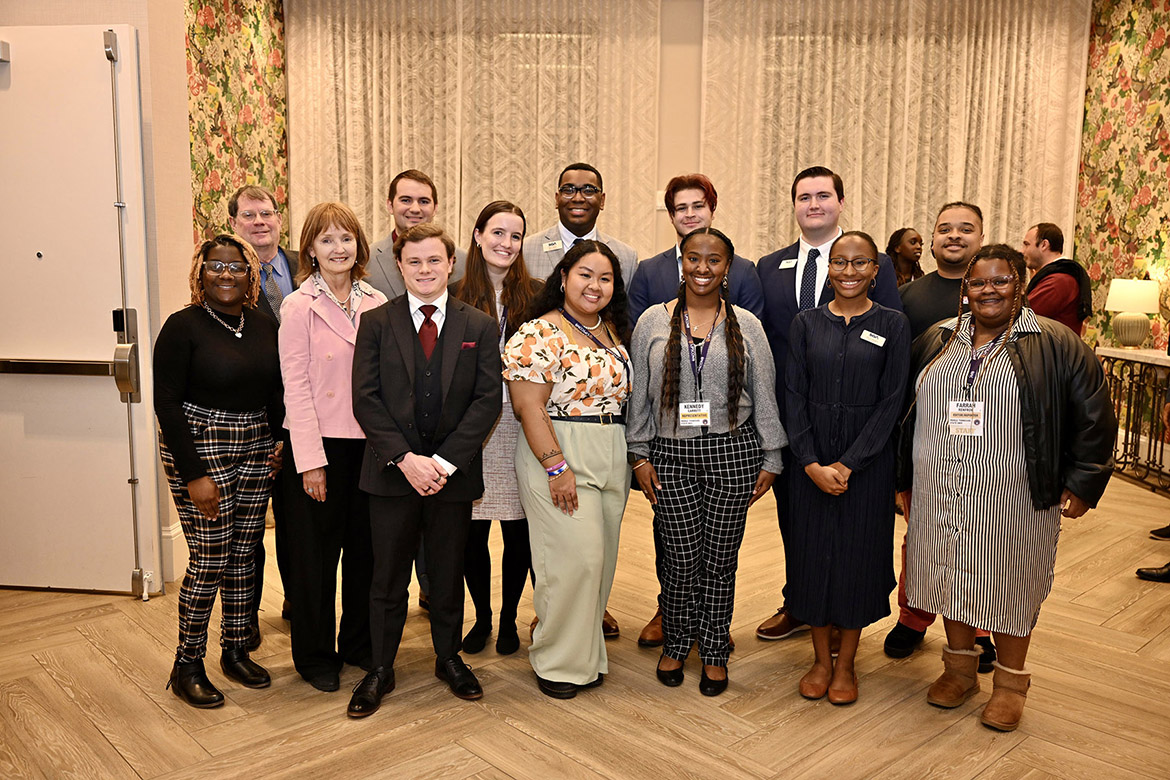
1133	295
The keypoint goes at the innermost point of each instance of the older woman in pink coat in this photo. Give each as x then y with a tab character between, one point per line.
326	512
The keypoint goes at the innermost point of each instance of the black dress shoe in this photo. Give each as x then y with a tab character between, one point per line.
507	639
238	666
557	690
461	679
286	611
189	682
1159	574
1161	534
595	684
986	654
477	637
253	643
902	640
367	694
325	681
709	687
671	678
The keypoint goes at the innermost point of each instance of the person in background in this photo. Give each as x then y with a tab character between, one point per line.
326	512
904	249
705	444
568	376
1012	427
497	283
846	377
217	395
1060	288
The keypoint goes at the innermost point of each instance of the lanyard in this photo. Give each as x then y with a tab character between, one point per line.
503	323
978	355
617	353
699	356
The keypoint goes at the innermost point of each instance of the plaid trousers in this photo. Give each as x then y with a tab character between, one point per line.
234	447
702	511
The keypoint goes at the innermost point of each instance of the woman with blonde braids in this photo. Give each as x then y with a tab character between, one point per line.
704	438
1011	428
217	395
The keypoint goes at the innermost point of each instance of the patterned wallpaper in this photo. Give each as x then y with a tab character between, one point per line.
237	103
1123	207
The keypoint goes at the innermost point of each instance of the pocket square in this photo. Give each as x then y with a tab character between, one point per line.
470	345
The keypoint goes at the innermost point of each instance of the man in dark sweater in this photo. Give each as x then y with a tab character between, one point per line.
1060	287
958	235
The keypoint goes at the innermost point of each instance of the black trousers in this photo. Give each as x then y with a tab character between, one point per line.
316	533
780	491
396	525
261	554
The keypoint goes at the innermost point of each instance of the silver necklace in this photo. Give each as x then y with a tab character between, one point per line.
237	332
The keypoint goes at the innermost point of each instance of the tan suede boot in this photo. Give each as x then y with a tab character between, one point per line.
959	680
1008	694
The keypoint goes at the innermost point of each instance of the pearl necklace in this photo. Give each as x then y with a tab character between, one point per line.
237	332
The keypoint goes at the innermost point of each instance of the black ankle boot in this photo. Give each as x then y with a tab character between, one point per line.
189	682
237	665
477	637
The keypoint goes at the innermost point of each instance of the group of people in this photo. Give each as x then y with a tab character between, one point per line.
400	398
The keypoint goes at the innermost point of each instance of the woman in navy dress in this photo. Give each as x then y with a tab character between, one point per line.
846	376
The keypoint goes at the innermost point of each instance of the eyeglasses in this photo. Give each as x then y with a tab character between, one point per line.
858	263
216	267
998	282
251	215
588	191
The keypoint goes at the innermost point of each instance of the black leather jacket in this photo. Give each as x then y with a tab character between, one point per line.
1069	426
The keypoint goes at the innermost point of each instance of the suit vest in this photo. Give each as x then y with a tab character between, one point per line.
428	392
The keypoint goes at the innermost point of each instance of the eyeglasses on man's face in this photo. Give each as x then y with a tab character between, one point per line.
588	191
263	214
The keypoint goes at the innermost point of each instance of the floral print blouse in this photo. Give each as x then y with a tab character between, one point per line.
586	380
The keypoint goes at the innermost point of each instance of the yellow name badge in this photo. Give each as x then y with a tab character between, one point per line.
873	338
694	414
965	418
551	246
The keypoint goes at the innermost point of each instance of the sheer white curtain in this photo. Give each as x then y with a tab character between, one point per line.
913	102
491	98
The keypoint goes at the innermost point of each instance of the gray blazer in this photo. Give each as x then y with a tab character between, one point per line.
541	261
384	275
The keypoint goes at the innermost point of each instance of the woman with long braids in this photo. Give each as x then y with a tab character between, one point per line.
1012	427
497	282
568	376
845	379
704	440
217	395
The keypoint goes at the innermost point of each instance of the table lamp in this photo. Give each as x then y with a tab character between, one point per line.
1133	300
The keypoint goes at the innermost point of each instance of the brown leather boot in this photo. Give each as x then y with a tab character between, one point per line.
1008	693
651	635
959	680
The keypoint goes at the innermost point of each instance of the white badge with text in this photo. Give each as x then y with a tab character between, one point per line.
965	418
873	338
694	414
551	246
788	264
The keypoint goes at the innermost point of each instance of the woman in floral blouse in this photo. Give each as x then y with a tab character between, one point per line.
568	376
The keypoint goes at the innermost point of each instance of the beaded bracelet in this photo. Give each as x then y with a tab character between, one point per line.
558	469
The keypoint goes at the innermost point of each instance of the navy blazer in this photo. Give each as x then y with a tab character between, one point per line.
656	281
780	305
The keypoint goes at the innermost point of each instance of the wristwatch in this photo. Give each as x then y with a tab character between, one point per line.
399	459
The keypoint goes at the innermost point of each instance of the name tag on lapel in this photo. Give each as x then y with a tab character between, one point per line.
788	264
551	246
469	345
873	338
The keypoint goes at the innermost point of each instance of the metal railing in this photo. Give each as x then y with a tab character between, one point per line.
1138	387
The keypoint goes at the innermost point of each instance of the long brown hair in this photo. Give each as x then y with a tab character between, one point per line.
317	221
475	288
736	359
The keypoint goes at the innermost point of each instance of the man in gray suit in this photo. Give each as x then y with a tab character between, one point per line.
412	200
580	199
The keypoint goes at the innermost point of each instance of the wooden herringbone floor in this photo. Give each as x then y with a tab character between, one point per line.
82	690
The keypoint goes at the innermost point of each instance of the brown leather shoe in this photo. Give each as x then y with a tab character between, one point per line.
1008	694
811	688
780	626
651	635
532	628
959	680
843	695
609	626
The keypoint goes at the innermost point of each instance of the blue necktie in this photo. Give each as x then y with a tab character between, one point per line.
808	282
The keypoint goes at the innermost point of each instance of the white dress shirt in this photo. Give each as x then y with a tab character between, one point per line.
822	263
439	317
567	237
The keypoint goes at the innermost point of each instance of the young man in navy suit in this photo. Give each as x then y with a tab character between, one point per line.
690	202
794	279
426	391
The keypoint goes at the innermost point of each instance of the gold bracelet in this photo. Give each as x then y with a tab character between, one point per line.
640	465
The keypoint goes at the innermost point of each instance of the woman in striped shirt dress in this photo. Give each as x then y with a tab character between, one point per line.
1012	427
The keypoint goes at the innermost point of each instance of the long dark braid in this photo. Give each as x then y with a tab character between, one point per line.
736	359
669	392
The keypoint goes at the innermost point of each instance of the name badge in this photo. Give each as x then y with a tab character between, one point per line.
551	246
873	338
788	264
965	418
694	414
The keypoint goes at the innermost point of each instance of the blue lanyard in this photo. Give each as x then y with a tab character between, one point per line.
617	353
699	356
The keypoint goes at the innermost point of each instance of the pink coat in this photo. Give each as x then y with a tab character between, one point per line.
316	362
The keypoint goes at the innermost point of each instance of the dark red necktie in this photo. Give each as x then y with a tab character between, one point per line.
428	332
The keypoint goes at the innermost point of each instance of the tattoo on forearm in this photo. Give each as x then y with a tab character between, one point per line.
549	454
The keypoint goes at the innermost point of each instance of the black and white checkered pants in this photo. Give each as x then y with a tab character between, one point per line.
702	510
234	447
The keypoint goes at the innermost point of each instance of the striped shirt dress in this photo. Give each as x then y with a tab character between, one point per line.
977	552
